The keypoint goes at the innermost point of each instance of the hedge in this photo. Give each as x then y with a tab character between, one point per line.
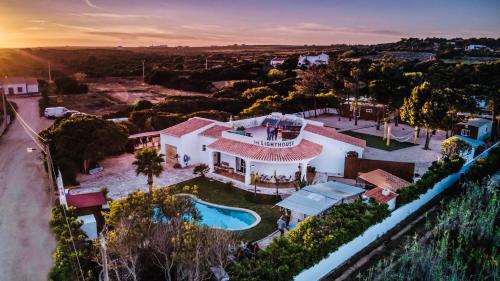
438	171
484	166
311	241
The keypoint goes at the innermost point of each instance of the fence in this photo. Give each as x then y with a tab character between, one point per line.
346	251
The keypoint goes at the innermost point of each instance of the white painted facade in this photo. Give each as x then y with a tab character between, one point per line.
19	86
308	60
475	47
196	147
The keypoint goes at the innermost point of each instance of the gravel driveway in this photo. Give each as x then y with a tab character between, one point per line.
26	244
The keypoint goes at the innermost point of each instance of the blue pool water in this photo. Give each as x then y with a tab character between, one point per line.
229	219
220	217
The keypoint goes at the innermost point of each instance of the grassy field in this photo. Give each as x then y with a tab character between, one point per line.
219	193
379	142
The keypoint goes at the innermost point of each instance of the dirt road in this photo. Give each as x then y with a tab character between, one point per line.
26	244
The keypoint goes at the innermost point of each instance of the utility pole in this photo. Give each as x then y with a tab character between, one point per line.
143	72
50	74
50	169
206	63
104	257
4	111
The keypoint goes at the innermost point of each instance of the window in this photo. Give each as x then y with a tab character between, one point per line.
240	165
19	89
203	148
369	110
465	132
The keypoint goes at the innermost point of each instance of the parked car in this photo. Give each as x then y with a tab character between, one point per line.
58	112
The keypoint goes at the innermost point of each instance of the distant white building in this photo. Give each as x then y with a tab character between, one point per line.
277	61
474	47
313	59
19	85
276	147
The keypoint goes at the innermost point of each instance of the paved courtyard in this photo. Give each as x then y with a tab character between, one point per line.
416	154
120	179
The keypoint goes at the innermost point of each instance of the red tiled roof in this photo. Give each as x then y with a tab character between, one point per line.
333	134
214	131
384	179
376	193
186	127
304	150
18	80
86	200
279	59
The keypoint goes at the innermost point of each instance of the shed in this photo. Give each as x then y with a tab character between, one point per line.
89	226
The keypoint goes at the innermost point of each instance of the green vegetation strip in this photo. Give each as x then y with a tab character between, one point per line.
225	194
437	171
311	241
379	142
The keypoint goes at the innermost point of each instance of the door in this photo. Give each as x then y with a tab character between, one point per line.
240	165
171	154
216	158
11	91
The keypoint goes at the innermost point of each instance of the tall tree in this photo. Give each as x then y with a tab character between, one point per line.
149	163
424	108
310	84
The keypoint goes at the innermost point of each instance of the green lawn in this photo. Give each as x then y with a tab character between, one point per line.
220	193
379	142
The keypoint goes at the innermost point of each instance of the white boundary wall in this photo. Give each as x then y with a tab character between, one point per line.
346	251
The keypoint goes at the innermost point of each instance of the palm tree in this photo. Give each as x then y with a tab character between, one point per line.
149	163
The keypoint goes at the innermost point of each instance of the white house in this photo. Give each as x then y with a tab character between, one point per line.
276	147
277	61
474	47
313	59
19	85
475	128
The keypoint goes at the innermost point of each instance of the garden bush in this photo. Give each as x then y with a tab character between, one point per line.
484	166
438	171
311	241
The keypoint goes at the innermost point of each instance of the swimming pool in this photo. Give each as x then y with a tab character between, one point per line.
219	216
223	217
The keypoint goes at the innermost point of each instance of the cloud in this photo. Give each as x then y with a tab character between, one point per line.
114	16
387	32
38	21
75	27
316	27
308	26
136	35
90	4
33	28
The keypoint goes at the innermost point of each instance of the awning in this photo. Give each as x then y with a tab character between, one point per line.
315	199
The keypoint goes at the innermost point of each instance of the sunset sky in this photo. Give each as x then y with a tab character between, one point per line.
31	23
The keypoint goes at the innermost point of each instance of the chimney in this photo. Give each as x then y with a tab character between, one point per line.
385	192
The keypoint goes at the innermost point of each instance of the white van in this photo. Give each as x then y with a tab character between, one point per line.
57	112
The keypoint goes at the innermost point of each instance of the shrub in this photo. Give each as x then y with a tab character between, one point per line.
68	86
211	114
276	74
200	169
484	166
438	171
258	93
177	166
311	241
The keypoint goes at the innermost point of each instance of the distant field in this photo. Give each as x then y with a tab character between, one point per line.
379	142
107	95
